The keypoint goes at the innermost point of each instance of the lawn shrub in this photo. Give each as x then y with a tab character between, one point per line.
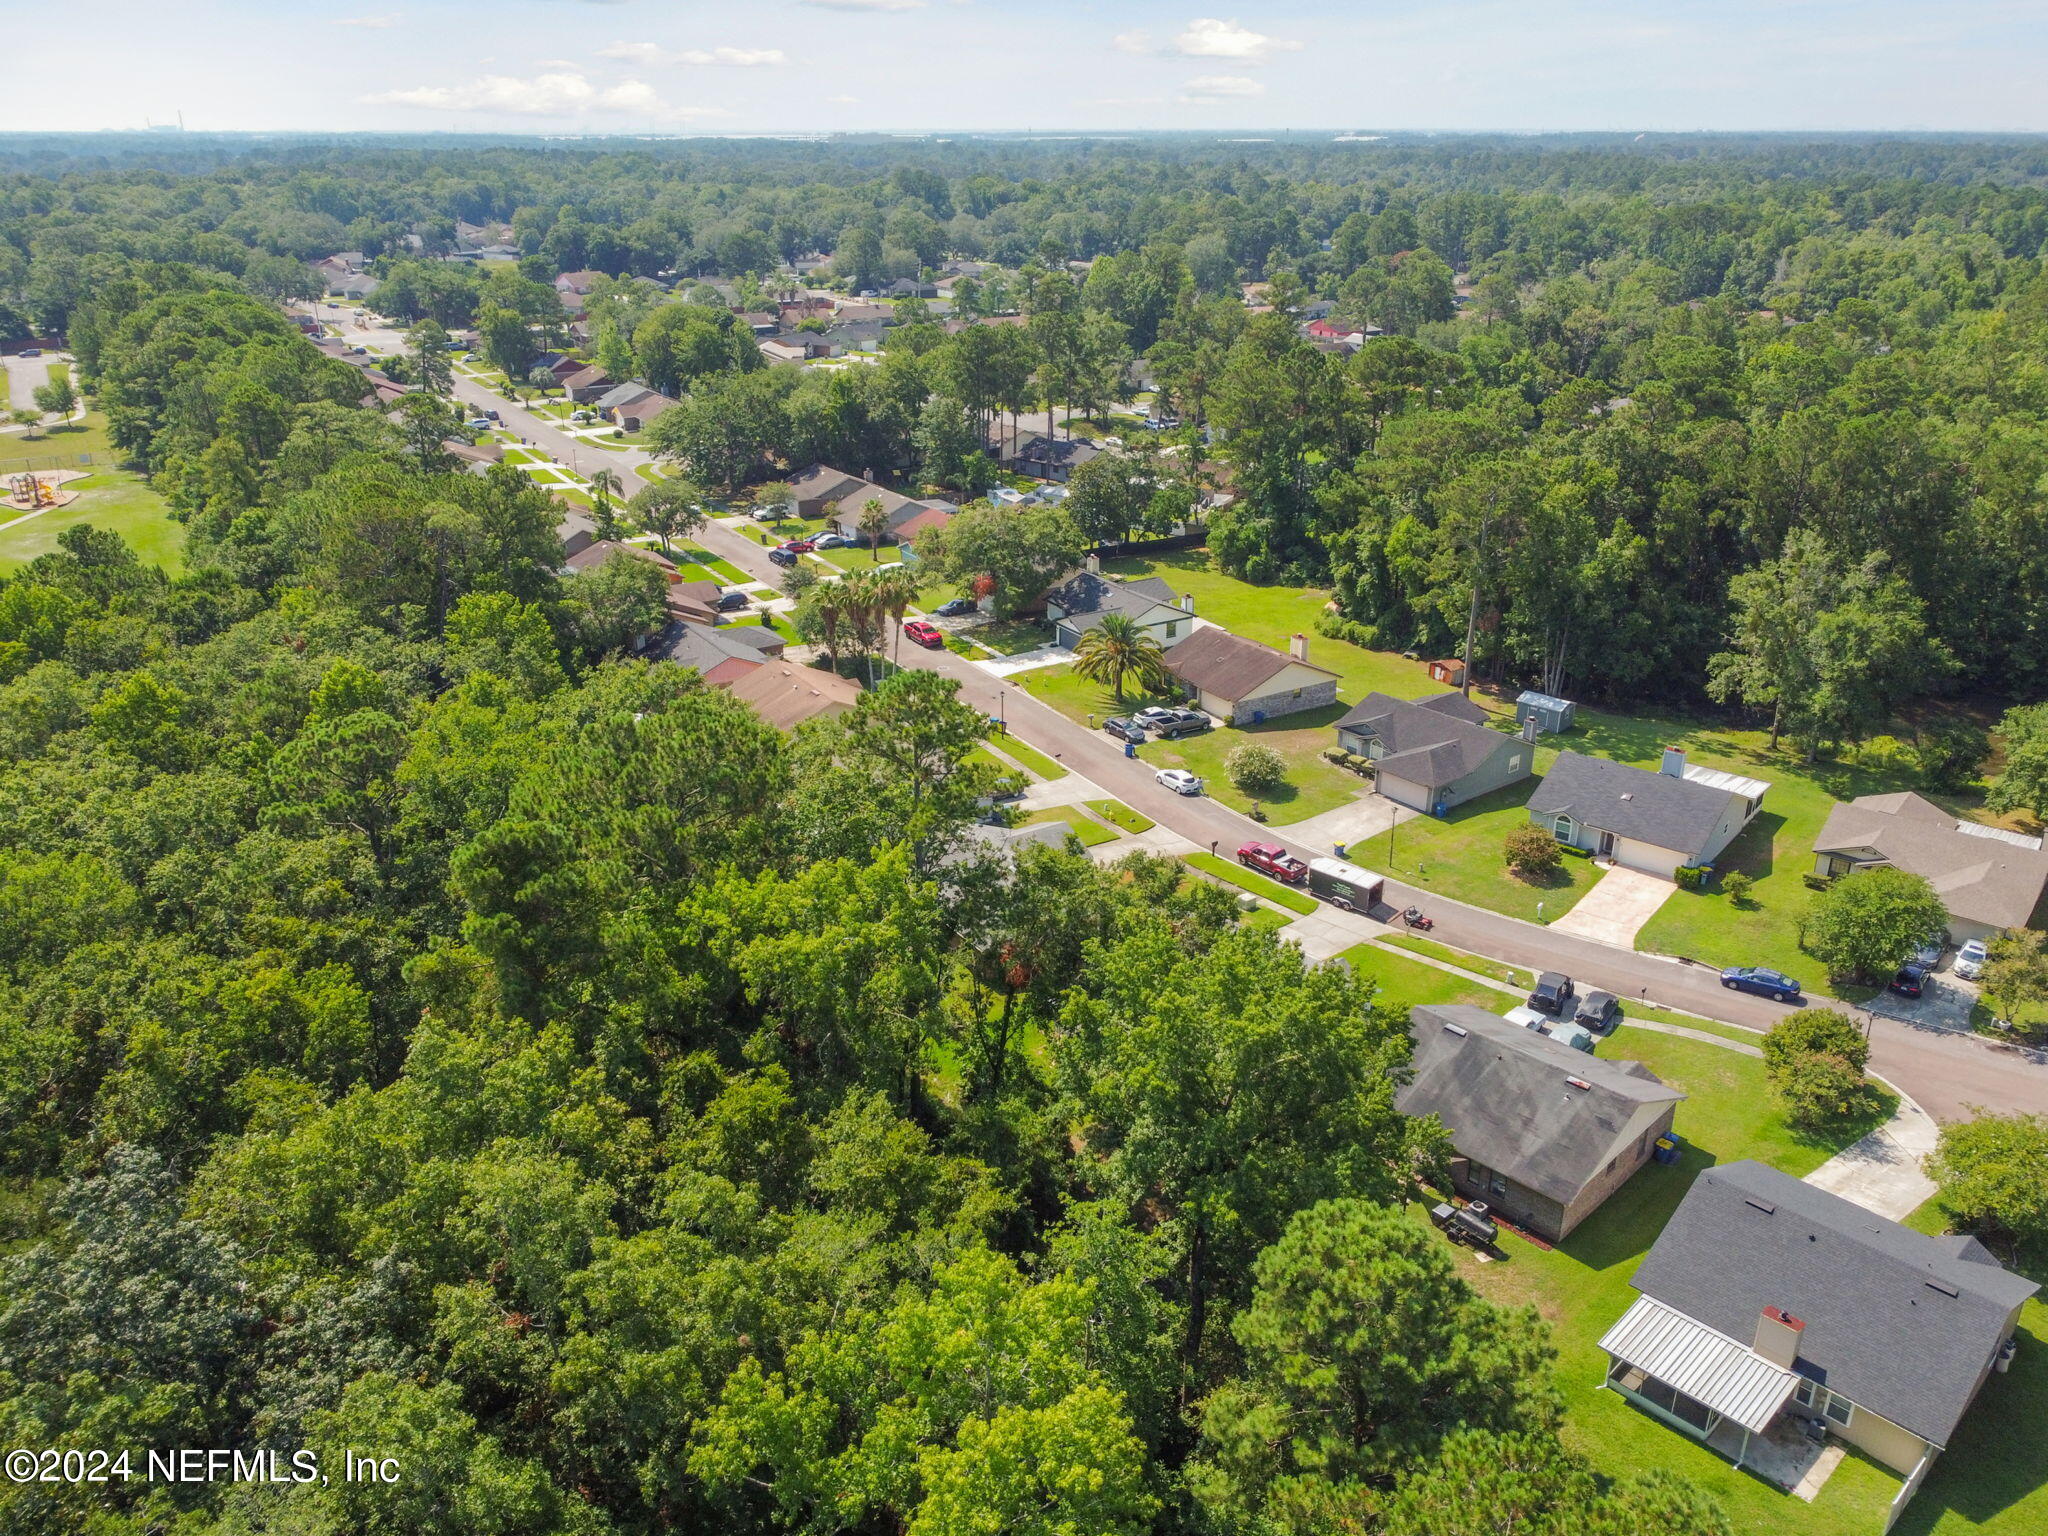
1531	852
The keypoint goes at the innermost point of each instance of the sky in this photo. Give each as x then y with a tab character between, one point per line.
812	66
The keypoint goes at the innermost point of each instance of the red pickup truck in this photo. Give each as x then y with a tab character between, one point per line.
1273	860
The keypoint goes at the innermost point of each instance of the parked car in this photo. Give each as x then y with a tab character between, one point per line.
478	424
1910	980
799	546
581	416
1179	780
1929	953
491	415
1598	1011
1123	728
954	608
1275	861
732	598
1182	722
782	556
1970	960
1775	985
926	635
38	352
1526	1017
1155	714
832	541
1553	993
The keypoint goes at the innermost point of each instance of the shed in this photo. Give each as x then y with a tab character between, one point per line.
1550	714
1450	672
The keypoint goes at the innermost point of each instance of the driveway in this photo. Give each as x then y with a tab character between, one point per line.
1614	911
1882	1172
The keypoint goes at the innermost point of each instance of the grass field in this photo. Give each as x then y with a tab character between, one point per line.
1250	880
1406	983
1500	970
1086	827
1117	814
1460	855
1030	757
112	498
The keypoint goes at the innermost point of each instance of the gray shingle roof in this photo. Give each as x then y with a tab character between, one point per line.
1431	741
1086	597
1898	1322
1653	808
1230	666
1981	878
1501	1092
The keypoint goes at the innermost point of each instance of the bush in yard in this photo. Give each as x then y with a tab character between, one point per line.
1992	1175
1689	877
1815	1031
1531	852
1737	885
1867	922
1814	1060
1254	767
1948	755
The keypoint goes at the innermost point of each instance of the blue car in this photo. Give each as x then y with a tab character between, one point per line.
1753	978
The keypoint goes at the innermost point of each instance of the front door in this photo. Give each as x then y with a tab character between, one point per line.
1606	845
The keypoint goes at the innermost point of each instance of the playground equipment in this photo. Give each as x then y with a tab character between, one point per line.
29	493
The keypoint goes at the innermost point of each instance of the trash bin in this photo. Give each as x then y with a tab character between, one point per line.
1130	749
1667	1149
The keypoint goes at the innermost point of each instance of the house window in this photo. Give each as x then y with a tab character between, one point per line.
1172	629
1514	760
1563	830
1838	1409
1803	1393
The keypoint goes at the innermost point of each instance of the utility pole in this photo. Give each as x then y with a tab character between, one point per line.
1472	614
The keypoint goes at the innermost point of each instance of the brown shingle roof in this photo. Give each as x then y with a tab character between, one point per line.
1979	877
785	694
1230	666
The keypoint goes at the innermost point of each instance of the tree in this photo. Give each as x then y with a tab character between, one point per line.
1868	921
428	344
2016	976
1255	767
1532	852
1991	1174
57	398
1116	649
615	603
26	419
2023	786
1826	1031
506	341
604	485
874	522
1022	550
1362	1347
669	509
1814	1059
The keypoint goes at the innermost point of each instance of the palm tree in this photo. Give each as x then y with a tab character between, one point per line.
874	522
828	601
1117	648
896	590
604	485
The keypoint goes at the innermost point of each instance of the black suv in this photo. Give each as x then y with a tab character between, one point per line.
1553	993
727	601
1125	729
1599	1012
779	556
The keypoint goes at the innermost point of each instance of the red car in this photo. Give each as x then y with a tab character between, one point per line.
926	635
799	546
1274	860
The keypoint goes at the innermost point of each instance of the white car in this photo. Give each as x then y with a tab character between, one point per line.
1179	780
832	541
1528	1018
1970	960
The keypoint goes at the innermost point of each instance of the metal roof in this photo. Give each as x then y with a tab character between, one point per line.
1542	700
1734	783
1708	1366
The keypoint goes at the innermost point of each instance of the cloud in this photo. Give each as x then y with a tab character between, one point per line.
654	53
1212	88
843	101
557	94
1130	101
1132	42
1212	39
865	5
365	21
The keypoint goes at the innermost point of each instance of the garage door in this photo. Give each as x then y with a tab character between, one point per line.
1405	792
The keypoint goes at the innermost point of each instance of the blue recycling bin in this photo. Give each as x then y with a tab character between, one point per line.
1667	1149
1130	749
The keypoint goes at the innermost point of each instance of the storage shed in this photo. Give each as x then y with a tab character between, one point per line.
1449	671
1551	715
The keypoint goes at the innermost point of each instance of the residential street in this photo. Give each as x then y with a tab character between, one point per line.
1947	1073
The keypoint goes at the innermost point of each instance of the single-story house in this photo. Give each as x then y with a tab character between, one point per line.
357	285
1767	1304
905	516
577	282
1541	1132
854	311
595	554
1987	877
1649	821
1246	682
1080	602
819	486
1434	753
694	602
785	694
910	288
721	660
760	322
797	348
562	366
577	533
341	263
475	458
1042	457
632	405
586	385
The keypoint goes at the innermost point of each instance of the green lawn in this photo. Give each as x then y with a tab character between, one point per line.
1116	813
778	623
1011	637
1581	1287
1479	965
1030	757
114	499
1086	827
1311	786
1459	854
1249	880
722	570
1260	918
1406	983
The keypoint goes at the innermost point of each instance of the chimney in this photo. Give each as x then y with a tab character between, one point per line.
1673	766
1092	563
1777	1336
1187	602
1298	647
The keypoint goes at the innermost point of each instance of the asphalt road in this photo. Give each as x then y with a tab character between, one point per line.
1950	1075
